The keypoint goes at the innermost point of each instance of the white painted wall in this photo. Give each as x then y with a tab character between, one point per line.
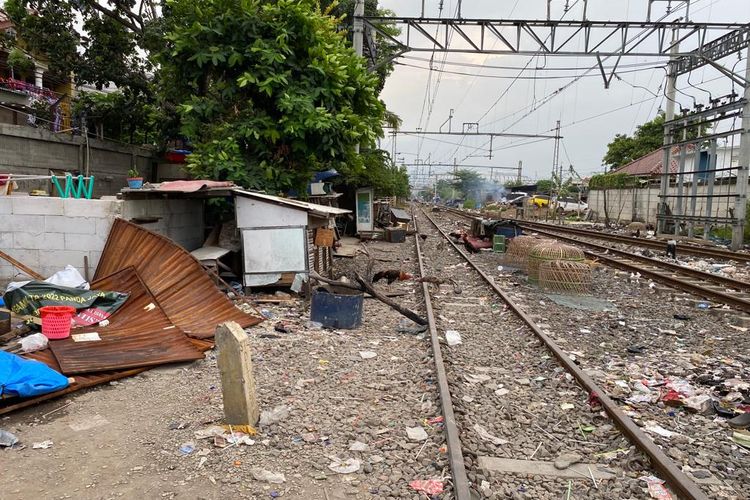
255	213
46	234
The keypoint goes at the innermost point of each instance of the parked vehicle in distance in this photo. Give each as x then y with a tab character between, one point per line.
571	205
539	200
516	198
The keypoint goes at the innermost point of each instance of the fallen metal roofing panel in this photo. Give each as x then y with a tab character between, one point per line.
139	334
176	279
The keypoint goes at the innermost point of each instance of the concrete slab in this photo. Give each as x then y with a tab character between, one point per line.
540	468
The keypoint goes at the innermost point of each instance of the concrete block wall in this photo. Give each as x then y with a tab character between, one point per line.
179	220
46	234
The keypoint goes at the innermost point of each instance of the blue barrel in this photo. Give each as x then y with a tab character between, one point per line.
337	310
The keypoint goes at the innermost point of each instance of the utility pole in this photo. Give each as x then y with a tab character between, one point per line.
738	230
671	93
520	166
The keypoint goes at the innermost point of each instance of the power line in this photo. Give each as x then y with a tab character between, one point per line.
509	77
536	68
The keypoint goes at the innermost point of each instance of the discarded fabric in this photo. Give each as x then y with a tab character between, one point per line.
430	487
26	378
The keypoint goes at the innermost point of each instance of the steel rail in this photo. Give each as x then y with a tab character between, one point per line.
686	249
674	477
455	455
719	280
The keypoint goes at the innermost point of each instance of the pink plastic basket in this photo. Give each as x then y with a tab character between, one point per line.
56	321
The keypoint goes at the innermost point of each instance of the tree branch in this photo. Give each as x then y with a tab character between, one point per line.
114	15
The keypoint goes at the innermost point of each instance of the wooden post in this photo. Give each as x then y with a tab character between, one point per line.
237	381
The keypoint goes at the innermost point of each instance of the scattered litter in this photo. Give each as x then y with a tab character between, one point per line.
269	417
367	354
429	487
35	342
452	337
42	445
208	432
187	448
358	446
742	439
416	433
104	323
347	466
7	439
523	381
501	392
486	436
86	337
653	428
656	488
267	476
267	314
567	406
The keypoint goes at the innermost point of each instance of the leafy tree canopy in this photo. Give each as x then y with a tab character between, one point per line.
269	92
467	182
623	149
379	171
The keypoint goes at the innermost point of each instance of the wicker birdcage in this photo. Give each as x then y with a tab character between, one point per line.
565	277
547	252
518	248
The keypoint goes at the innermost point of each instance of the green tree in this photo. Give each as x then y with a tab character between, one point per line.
380	173
269	92
468	182
623	149
545	186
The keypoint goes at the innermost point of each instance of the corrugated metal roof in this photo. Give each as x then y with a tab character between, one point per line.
319	210
652	163
139	334
177	280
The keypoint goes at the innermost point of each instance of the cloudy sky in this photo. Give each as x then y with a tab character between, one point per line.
590	114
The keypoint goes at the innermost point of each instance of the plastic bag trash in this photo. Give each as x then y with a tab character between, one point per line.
268	476
367	354
344	466
656	488
43	445
68	277
430	487
267	314
452	337
26	378
7	438
35	342
358	446
416	433
274	415
187	448
408	326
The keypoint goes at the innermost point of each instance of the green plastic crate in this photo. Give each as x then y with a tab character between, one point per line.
498	243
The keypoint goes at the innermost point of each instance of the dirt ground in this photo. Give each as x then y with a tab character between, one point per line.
123	440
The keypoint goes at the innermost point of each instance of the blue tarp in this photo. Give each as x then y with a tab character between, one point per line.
25	378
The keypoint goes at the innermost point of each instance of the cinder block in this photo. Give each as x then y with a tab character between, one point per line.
36	205
85	242
91	208
73	225
29	258
27	223
6	241
134	208
5	205
103	226
58	260
38	241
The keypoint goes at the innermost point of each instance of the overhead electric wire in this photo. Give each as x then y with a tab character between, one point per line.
509	77
536	68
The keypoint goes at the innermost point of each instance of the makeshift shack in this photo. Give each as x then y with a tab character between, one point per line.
279	237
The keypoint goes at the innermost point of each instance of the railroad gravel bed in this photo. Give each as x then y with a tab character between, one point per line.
514	400
654	335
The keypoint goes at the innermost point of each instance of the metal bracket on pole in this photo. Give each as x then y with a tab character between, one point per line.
607	79
736	78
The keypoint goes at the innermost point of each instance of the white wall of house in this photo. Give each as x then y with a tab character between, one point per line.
46	234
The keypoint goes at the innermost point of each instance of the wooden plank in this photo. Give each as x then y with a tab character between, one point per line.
540	468
237	381
30	272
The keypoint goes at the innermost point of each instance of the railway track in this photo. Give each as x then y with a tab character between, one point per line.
683	248
722	289
513	400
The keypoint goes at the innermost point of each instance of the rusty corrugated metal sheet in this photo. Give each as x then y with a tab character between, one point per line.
182	288
81	381
139	334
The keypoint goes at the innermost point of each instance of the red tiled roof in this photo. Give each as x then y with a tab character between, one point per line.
652	163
